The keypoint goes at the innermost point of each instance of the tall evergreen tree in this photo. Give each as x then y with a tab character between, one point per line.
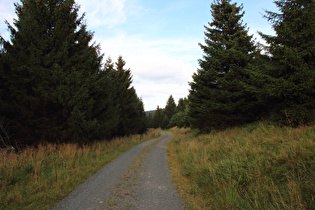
180	119
149	119
217	96
289	82
169	111
170	107
2	72
182	103
165	122
158	118
52	71
130	108
140	119
109	65
114	117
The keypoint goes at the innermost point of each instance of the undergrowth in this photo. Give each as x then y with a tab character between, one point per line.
39	178
258	166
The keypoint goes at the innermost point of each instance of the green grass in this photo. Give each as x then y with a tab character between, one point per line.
39	178
259	166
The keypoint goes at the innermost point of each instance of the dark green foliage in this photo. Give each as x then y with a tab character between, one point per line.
50	72
236	84
2	73
169	111
218	96
140	119
170	107
131	115
171	116
123	95
149	119
180	118
165	122
53	87
289	85
182	103
158	118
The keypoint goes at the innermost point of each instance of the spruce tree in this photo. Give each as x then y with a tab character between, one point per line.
131	114
52	71
182	102
134	115
169	111
157	118
104	111
140	119
109	68
289	85
165	122
2	75
149	119
109	65
218	98
180	119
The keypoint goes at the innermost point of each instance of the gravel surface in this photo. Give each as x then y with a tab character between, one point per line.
155	189
138	179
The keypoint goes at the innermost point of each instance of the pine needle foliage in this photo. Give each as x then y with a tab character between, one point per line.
217	97
289	84
53	86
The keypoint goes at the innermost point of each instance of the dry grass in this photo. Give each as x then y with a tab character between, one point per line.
258	166
39	178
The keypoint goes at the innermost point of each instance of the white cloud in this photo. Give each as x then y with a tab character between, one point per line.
160	67
109	13
154	94
6	13
103	13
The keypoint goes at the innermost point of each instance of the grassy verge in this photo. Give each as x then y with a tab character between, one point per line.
39	178
258	166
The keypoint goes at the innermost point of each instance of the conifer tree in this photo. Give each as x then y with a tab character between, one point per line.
140	119
180	119
130	108
134	115
170	107
289	82
165	122
182	102
2	74
169	111
218	98
158	117
149	119
109	65
52	71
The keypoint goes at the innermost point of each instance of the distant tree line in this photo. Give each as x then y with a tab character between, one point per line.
172	115
239	82
53	85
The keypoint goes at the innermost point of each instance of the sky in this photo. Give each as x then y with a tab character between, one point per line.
158	39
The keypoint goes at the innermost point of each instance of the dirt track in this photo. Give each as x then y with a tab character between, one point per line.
138	179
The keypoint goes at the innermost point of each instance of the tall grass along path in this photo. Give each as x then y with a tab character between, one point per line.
138	179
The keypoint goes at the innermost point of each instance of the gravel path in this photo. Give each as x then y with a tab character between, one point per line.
138	179
155	189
